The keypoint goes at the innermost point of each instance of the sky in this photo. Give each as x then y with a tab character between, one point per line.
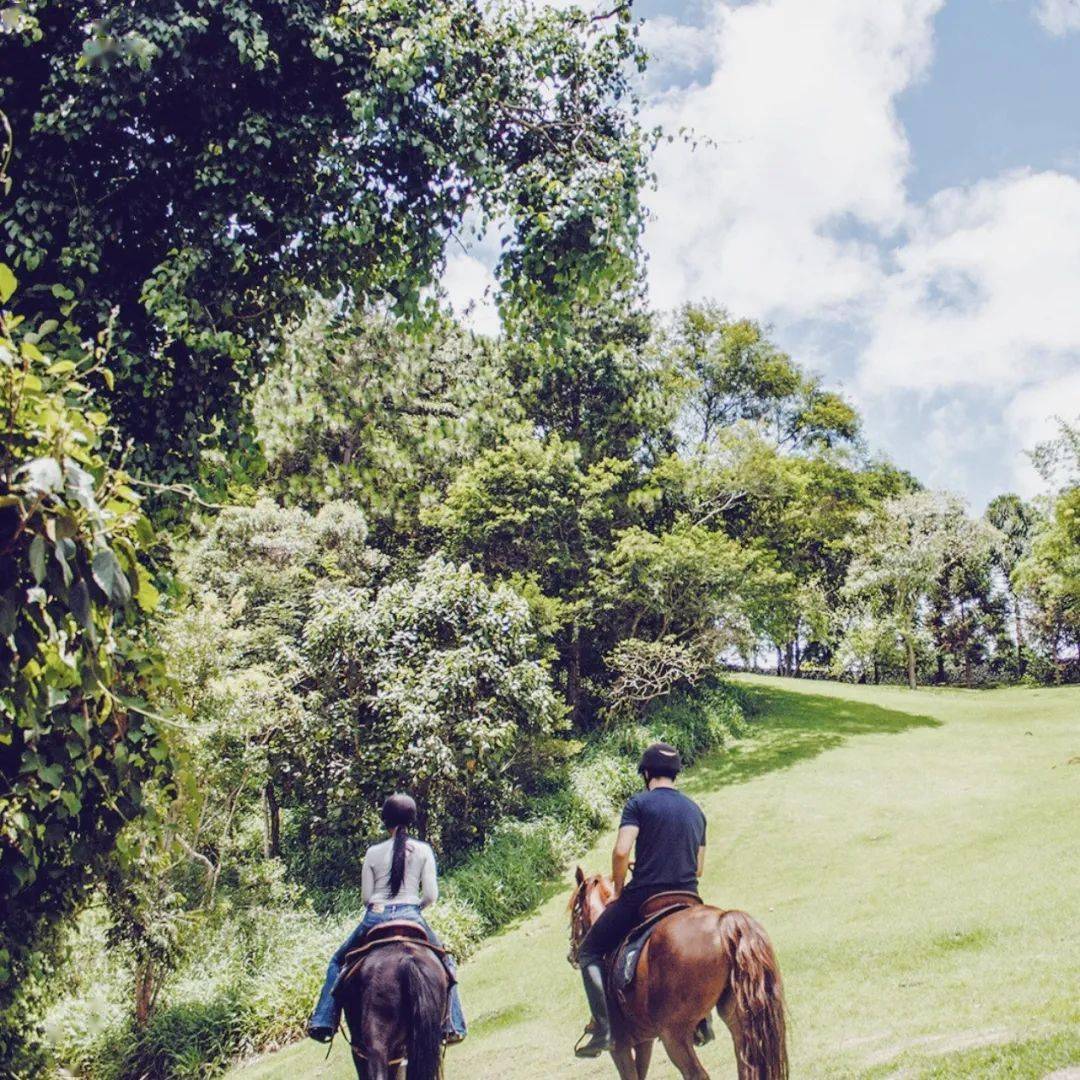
894	187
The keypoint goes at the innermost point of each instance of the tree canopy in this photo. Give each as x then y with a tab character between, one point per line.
204	166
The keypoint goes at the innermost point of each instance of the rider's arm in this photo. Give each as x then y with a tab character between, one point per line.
620	857
367	879
701	860
429	880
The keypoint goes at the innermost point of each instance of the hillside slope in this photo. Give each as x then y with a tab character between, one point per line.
915	857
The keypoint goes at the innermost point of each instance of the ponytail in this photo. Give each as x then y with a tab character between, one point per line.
397	865
398	813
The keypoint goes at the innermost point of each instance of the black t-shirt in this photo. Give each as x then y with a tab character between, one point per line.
671	828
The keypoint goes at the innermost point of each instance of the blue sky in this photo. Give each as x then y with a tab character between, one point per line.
894	186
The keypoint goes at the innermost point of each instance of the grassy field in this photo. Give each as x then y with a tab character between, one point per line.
915	857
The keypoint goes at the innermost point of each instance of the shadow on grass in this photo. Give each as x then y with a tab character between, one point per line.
790	727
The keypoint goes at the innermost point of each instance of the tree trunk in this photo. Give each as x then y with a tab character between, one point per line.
272	819
789	658
144	992
877	673
967	668
573	677
779	660
1019	634
909	642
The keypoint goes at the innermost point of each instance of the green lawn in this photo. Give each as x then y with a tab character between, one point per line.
915	857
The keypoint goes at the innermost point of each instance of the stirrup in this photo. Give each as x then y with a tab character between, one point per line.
592	1049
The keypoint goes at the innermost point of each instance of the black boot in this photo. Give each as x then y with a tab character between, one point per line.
599	1031
704	1032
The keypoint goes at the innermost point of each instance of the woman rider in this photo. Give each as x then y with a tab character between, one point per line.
398	880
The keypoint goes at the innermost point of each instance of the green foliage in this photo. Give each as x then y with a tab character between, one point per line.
249	979
435	687
76	742
239	155
732	372
906	550
358	409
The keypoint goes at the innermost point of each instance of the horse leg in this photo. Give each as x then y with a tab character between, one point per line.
622	1053
642	1057
729	1014
680	1048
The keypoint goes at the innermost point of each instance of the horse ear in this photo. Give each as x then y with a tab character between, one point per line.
579	877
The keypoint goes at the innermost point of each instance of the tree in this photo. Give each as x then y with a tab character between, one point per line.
966	615
901	554
435	686
1016	521
357	408
532	512
1050	574
733	372
205	165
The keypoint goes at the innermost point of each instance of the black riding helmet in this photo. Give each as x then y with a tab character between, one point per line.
660	759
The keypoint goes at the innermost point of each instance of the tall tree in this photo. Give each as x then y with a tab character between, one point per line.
733	372
903	551
1016	521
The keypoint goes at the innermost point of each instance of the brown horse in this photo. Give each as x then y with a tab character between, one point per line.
394	1002
697	959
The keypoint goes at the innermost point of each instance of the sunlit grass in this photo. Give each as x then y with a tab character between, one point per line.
915	857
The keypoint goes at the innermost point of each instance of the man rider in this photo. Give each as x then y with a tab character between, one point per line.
666	830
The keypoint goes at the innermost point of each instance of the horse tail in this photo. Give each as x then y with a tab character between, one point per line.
758	995
425	1019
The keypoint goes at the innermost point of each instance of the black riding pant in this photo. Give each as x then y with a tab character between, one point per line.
616	921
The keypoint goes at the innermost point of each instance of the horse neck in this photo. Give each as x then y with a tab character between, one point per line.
599	896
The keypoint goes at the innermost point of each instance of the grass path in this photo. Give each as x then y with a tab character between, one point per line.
915	857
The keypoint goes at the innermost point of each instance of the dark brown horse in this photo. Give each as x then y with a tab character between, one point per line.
394	1001
696	960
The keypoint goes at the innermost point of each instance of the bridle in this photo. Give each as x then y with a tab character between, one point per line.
579	922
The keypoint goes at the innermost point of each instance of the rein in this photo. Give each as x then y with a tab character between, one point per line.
578	925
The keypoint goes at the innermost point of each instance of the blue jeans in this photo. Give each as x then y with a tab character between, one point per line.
327	1014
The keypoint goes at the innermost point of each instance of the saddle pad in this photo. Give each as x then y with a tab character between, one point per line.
624	964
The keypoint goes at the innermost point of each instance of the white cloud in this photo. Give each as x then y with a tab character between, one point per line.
985	289
800	108
1059	16
959	316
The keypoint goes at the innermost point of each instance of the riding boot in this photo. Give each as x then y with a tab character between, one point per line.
600	1034
704	1033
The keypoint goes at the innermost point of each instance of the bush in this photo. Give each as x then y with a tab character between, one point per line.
435	687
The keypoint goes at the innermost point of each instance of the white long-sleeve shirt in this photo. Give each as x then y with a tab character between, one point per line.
419	886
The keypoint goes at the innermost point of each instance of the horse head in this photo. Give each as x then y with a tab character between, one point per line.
591	895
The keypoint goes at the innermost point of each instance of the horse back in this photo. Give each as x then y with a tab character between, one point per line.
682	972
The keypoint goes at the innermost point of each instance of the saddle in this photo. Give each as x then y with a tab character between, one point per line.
387	933
653	912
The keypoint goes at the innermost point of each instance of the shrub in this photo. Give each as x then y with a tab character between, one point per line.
434	687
